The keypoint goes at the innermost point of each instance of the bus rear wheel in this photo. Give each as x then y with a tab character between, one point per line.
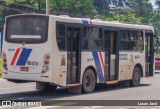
136	77
88	81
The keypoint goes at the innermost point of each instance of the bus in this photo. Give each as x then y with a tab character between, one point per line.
78	53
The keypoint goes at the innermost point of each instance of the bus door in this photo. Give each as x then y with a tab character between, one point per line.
149	54
111	60
73	58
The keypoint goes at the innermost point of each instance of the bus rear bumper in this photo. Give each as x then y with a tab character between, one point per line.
23	76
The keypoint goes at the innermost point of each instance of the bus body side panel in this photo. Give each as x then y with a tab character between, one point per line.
93	59
59	68
127	62
59	59
47	77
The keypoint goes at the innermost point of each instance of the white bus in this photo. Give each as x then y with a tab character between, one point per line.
75	52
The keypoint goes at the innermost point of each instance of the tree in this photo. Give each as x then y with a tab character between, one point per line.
157	3
155	21
144	9
72	7
128	18
101	6
10	7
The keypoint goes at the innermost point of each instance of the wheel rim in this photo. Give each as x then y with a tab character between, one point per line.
88	81
88	84
136	77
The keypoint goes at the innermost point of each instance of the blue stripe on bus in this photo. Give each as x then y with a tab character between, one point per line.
98	66
24	57
85	22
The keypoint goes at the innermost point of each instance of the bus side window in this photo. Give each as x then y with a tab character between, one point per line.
124	40
60	35
92	38
136	40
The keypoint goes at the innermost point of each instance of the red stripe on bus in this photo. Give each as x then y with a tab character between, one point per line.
90	22
101	58
15	56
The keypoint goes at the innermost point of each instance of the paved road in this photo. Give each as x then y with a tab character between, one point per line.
149	90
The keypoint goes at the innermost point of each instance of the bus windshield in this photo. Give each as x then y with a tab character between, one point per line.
26	29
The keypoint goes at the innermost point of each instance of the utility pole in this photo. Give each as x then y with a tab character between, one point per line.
47	7
39	6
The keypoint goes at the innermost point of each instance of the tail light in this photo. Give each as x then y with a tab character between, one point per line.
46	63
4	61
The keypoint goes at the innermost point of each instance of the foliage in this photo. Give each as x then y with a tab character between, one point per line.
127	18
158	5
142	7
72	7
155	21
10	7
140	13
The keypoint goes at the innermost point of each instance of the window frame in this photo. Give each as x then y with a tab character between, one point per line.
65	41
129	32
98	39
7	39
124	29
102	28
137	40
67	25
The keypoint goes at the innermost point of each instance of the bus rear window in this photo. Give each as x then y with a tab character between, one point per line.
27	29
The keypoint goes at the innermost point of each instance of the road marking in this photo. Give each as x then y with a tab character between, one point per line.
44	107
86	108
92	107
95	107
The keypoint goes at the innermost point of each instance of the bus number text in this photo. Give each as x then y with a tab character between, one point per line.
32	63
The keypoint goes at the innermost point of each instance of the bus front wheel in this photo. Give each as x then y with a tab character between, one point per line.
136	77
88	81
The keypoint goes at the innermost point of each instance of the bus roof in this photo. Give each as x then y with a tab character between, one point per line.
99	22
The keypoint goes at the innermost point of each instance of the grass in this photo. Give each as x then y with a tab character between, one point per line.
0	68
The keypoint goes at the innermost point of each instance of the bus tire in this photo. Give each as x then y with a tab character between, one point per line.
136	77
88	81
49	87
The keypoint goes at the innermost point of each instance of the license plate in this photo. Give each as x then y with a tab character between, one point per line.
25	69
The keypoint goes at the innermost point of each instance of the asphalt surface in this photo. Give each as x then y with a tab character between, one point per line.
148	90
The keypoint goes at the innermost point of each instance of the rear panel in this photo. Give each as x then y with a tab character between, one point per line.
26	53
